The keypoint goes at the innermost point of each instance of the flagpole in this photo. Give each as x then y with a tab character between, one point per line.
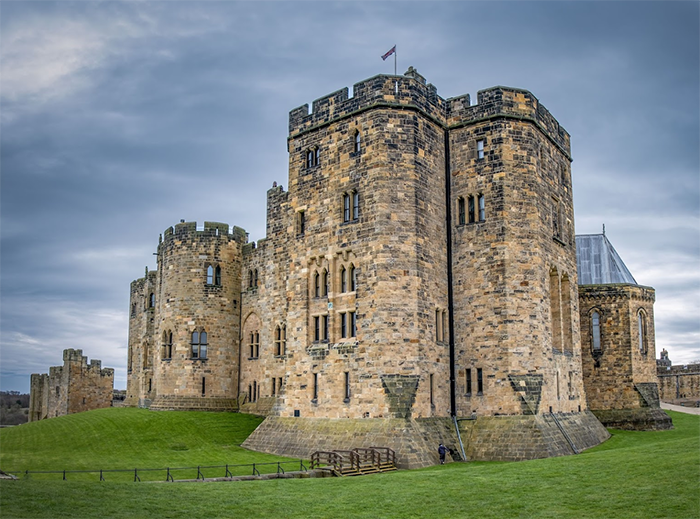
394	61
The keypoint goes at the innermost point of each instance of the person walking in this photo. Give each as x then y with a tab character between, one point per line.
442	450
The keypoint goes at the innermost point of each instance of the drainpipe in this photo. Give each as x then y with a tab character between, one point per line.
450	297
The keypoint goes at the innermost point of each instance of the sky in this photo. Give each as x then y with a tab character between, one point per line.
119	119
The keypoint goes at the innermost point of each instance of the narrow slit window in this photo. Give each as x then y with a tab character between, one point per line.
595	332
217	275
315	382
480	149
482	208
346	207
343	279
358	141
461	211
210	275
355	205
343	325
468	381
479	381
347	386
472	215
353	324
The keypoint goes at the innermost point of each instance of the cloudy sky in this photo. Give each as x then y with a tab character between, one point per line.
118	119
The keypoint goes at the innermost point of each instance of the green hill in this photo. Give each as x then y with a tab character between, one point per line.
127	438
644	475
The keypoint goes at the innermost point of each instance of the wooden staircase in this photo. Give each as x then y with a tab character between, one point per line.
355	462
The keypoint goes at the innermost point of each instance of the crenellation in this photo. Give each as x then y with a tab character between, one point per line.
420	266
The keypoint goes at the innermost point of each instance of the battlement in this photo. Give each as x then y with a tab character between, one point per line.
409	90
71	355
501	101
412	91
188	230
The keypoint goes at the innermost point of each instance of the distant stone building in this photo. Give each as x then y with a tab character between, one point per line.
417	284
72	388
679	383
617	338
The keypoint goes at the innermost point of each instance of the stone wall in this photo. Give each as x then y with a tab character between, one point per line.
620	376
680	382
72	388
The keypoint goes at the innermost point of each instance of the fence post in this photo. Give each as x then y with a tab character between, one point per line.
101	477
169	476
199	474
256	472
136	476
229	474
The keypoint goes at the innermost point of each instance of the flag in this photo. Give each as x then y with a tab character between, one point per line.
391	51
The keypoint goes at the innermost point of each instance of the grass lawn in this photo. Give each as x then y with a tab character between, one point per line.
633	475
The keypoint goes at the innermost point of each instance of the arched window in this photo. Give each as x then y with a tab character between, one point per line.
353	278
210	275
310	158
324	283
199	345
152	300
217	275
461	211
642	331
358	141
250	279
343	279
595	331
317	284
317	156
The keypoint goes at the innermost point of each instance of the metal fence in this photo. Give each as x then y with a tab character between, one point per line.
169	473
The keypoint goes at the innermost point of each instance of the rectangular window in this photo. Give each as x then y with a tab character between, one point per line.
346	207
355	205
317	328
204	386
468	376
347	386
279	384
343	325
595	321
315	386
482	208
274	387
353	324
301	222
325	327
472	214
479	382
480	149
461	211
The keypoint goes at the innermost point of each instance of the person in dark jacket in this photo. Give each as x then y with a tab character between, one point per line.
442	450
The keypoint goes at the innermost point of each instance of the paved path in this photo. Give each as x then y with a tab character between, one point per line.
680	409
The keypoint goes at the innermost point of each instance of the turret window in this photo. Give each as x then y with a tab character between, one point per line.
199	345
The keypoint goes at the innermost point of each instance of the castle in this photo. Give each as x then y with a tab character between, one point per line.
417	283
72	388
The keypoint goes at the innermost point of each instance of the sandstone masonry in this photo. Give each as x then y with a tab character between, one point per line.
72	388
418	283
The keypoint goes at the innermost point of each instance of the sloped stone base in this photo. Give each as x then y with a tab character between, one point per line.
516	438
415	441
643	419
180	403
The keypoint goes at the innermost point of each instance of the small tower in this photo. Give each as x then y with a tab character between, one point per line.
617	331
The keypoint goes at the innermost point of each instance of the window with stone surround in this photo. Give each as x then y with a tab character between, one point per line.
358	141
315	387
217	275
280	340
595	331
471	209
480	149
468	381
317	328
313	157
440	324
254	344
461	211
351	206
642	331
343	279
482	207
152	300
167	353
199	344
347	386
479	381
301	222
353	277
210	275
432	394
324	283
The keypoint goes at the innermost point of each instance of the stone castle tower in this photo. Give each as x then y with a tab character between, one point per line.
417	283
74	387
